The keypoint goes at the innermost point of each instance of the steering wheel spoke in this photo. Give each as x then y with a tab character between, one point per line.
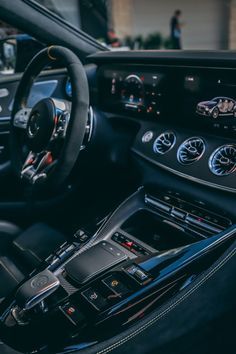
37	166
21	118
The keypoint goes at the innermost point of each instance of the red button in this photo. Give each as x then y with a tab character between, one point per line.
70	310
129	244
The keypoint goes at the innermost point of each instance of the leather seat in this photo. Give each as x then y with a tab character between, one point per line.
21	252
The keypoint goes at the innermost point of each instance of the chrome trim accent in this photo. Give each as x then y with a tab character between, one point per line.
91	121
43	292
135	77
183	145
89	128
210	161
17	313
159	139
21	119
184	175
4	92
5	119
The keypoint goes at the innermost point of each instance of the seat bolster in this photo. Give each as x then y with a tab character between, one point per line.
36	243
9	228
10	276
8	232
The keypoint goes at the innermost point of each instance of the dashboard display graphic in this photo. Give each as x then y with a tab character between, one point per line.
133	91
209	98
217	107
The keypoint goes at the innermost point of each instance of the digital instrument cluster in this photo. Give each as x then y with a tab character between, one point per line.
138	92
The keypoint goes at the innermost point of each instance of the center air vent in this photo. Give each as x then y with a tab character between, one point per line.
223	160
191	150
164	143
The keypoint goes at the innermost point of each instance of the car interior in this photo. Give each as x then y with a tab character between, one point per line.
117	199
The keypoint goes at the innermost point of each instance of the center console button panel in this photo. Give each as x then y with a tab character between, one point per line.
116	285
196	219
72	313
129	244
94	298
138	274
81	236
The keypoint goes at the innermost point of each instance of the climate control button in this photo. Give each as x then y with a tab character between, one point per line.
147	137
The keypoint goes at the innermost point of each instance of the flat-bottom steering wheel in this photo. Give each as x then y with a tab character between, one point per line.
46	139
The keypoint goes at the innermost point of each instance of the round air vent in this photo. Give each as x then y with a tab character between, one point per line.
164	143
223	160
191	150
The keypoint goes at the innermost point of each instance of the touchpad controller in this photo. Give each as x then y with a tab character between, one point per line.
95	260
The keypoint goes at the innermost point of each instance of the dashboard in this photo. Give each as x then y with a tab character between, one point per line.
185	114
186	117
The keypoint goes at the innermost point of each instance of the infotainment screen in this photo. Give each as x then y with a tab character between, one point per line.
209	98
212	97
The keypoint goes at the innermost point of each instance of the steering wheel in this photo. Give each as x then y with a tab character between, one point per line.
46	139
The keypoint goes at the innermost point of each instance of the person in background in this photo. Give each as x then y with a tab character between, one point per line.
175	30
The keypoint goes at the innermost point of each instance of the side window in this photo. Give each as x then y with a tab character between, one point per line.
16	49
90	16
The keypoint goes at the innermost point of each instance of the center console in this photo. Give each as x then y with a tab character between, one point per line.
150	248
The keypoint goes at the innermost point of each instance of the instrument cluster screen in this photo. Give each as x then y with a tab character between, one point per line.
133	91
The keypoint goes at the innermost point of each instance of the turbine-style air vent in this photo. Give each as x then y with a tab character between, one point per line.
191	150
164	143
223	160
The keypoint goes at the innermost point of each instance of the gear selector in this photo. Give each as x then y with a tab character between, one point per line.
36	289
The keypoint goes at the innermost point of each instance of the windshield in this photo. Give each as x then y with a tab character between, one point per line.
152	24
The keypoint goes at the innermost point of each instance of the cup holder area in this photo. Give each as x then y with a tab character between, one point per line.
156	232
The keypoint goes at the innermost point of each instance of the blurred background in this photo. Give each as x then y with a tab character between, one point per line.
145	24
131	25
